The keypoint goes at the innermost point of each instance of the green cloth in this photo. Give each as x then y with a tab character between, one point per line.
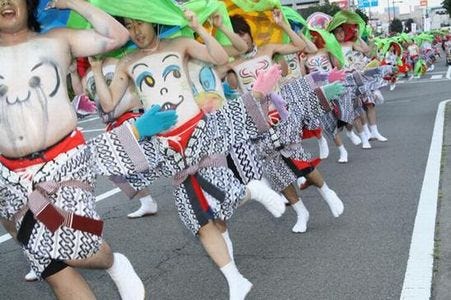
346	17
292	15
332	45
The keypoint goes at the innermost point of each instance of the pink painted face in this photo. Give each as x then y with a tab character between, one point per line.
13	15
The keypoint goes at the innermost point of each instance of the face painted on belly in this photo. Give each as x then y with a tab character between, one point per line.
319	63
206	85
161	79
247	71
294	69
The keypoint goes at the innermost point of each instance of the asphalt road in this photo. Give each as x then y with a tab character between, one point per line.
361	255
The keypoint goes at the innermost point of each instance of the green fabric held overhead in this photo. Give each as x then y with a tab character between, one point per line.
262	5
204	9
293	16
346	17
332	45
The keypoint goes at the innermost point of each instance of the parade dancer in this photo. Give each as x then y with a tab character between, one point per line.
282	172
126	110
193	152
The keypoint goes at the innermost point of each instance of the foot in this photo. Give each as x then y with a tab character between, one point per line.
366	145
124	276
392	86
301	223
353	137
271	200
31	276
148	207
240	289
323	148
343	157
378	137
335	204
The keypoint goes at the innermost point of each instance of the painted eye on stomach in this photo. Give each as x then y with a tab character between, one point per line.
145	78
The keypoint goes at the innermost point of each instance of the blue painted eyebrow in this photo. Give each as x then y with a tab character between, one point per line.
143	75
169	69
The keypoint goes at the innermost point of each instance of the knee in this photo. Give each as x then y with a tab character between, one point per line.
107	256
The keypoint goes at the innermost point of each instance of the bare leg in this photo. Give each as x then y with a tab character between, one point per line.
358	123
335	204
315	178
9	227
222	227
213	242
374	132
103	259
68	284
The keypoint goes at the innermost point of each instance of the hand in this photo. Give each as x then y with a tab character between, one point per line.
155	121
278	17
333	90
216	20
336	75
60	4
266	81
191	17
73	67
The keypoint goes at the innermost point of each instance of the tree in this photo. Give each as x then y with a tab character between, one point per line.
362	14
408	25
330	9
396	26
447	5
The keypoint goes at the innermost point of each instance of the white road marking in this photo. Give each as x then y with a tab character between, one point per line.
448	73
435	77
418	277
7	237
94	130
397	101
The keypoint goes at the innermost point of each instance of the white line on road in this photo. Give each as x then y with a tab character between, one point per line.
88	120
397	101
418	278
7	237
448	73
435	77
93	130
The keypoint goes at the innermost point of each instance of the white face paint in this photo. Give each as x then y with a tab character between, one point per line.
294	67
34	109
206	85
247	71
161	79
319	63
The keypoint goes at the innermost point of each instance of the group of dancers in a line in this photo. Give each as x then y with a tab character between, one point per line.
223	118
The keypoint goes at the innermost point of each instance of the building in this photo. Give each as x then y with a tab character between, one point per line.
299	4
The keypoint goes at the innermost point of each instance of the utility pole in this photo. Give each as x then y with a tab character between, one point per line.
388	8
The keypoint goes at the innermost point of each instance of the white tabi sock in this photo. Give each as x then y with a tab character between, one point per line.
239	286
365	140
303	216
127	281
343	154
353	137
271	200
367	130
229	244
148	207
335	204
376	135
323	148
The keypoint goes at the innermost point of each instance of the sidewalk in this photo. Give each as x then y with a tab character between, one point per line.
441	287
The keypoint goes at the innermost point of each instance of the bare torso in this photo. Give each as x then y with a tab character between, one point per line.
161	77
35	109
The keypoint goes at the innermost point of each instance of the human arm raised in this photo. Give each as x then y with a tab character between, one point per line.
107	33
238	46
212	51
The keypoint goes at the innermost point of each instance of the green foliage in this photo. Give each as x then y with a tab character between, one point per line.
330	9
408	25
396	26
447	5
363	15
